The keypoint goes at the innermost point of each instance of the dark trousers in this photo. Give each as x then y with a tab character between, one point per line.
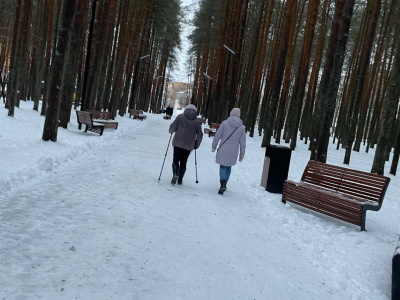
180	157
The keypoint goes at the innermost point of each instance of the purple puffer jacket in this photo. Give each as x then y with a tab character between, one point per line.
187	128
227	154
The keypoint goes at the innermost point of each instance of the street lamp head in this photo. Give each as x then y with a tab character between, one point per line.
208	76
230	50
144	56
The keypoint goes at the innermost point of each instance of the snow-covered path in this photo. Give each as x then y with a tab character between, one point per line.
102	227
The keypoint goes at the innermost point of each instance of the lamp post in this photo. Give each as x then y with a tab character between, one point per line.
87	61
137	61
208	92
231	89
156	93
166	91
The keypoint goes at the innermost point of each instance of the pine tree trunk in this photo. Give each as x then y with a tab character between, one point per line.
388	114
49	38
396	152
328	68
71	67
328	99
60	54
299	87
362	70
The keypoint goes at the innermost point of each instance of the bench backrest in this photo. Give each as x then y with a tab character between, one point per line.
84	117
355	183
136	112
214	125
105	115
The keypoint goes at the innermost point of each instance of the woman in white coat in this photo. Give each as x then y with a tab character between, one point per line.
231	138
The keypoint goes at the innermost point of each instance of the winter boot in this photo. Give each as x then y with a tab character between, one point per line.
181	174
175	171
222	189
223	184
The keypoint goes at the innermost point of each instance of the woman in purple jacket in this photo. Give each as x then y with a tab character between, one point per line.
231	137
188	136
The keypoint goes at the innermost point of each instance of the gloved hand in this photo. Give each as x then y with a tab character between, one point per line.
241	158
212	150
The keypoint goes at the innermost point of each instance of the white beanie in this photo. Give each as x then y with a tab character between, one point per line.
235	112
191	106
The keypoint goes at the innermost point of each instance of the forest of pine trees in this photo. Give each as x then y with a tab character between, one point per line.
316	69
105	52
320	70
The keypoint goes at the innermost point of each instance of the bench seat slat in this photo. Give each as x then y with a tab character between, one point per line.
331	205
328	213
341	200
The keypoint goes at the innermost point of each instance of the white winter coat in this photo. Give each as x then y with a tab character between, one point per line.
227	154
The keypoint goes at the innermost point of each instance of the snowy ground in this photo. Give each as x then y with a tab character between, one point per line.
86	218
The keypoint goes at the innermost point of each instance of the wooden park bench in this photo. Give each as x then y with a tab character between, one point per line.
85	117
104	117
213	129
338	192
137	114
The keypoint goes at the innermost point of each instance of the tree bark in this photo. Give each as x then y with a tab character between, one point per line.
50	129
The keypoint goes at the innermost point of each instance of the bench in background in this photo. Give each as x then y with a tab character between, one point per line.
213	129
103	117
85	117
137	114
338	192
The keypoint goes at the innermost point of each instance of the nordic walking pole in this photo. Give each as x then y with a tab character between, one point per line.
195	164
165	157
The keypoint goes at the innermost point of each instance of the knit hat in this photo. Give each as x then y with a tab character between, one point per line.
235	112
191	106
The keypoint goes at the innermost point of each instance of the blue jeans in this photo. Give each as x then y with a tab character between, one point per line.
224	172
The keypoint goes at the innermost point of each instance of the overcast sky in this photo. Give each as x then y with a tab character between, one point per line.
181	70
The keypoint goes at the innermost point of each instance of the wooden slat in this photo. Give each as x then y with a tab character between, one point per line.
352	221
340	174
339	200
363	176
323	203
353	182
358	178
350	188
